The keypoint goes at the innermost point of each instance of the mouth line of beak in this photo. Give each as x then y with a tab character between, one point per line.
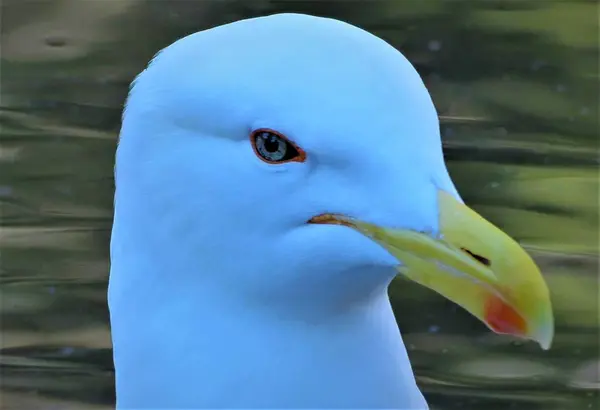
470	262
331	219
343	220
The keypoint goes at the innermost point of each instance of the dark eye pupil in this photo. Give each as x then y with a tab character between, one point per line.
271	143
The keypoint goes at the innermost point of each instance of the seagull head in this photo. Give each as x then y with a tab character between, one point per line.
293	165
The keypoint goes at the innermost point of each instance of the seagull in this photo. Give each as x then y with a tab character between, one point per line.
273	176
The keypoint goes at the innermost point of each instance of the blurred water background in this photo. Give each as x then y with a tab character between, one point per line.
516	87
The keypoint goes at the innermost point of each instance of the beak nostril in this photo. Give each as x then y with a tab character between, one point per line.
478	258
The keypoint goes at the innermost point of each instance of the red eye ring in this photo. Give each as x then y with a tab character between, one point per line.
273	147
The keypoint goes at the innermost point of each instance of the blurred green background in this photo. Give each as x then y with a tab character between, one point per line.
515	83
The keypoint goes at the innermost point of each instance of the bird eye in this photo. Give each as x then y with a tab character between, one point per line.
274	148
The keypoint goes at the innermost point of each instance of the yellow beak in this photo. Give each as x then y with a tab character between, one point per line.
475	265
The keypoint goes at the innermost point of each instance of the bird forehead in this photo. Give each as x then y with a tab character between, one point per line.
297	56
319	80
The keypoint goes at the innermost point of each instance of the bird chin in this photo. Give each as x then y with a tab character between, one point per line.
342	245
378	254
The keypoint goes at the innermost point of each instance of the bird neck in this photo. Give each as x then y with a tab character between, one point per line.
182	340
189	350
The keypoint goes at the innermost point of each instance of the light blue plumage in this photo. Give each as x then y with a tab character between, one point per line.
221	296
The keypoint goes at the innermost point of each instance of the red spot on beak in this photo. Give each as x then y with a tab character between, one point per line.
503	318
